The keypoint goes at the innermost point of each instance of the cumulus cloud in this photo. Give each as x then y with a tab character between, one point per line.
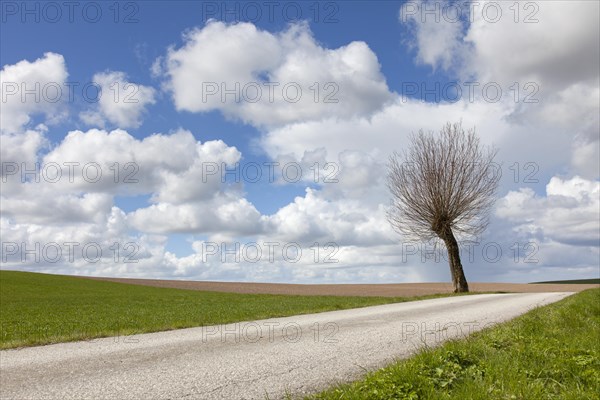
37	204
568	214
87	169
104	247
22	147
225	214
377	136
116	162
39	209
345	222
585	159
279	264
552	50
436	35
356	134
122	103
482	38
282	78
78	179
534	134
553	60
30	88
201	179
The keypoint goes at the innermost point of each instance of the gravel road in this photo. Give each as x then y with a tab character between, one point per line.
250	360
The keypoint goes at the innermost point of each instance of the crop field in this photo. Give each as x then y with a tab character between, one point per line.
37	309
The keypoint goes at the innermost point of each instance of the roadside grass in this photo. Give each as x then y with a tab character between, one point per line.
552	352
37	309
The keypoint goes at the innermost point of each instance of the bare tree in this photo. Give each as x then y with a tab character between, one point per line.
443	187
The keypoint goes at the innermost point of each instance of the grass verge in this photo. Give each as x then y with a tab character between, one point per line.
38	309
552	352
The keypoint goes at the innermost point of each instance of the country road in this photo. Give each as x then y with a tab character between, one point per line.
300	354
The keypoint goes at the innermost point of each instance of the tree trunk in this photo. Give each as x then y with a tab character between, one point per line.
458	276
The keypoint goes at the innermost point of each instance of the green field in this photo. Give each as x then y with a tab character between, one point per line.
39	309
575	281
552	352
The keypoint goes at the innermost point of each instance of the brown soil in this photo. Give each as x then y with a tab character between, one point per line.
386	290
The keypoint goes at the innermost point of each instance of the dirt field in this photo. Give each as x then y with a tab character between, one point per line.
387	290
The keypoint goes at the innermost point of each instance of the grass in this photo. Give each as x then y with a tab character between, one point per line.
37	309
574	281
552	352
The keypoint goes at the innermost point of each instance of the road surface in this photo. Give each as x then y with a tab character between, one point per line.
300	354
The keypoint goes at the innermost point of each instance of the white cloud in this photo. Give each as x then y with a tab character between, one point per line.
357	134
201	178
101	248
122	103
568	214
126	164
383	266
227	214
560	49
31	88
436	36
169	168
585	159
333	82
545	54
32	205
344	221
85	171
387	130
538	133
552	50
22	147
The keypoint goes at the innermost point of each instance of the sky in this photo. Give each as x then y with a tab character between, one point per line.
249	141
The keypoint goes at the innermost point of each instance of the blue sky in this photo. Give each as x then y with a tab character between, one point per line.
144	32
547	199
